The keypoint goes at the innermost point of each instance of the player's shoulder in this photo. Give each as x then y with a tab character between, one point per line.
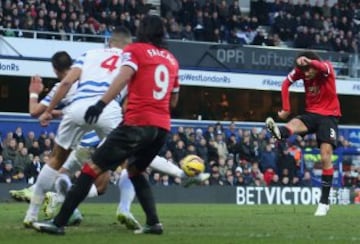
93	52
135	47
328	63
330	67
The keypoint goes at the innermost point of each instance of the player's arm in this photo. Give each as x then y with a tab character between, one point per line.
124	105
37	108
175	92
35	88
119	82
285	98
56	113
293	76
174	99
71	77
321	66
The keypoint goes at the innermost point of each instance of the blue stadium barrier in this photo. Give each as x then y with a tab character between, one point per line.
10	121
338	157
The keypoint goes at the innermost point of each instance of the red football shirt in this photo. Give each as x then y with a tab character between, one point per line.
150	89
320	92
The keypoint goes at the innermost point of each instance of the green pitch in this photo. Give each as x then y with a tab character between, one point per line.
196	223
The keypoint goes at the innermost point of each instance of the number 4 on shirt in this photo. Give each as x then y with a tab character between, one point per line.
110	63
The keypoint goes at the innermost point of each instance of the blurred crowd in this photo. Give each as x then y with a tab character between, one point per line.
286	23
304	25
233	156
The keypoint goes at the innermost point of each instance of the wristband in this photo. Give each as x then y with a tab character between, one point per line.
34	95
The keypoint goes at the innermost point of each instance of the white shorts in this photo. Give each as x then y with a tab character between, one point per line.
73	126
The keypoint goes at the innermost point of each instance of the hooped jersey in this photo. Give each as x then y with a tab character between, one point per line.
150	89
98	69
64	102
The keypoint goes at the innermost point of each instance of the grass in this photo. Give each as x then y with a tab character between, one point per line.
196	223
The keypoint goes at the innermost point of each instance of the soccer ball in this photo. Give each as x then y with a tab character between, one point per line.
192	165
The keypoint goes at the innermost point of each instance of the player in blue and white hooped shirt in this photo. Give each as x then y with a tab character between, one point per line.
93	72
86	92
61	62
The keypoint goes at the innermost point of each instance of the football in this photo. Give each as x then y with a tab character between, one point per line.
192	165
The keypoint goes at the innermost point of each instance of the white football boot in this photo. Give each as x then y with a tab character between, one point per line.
273	128
322	209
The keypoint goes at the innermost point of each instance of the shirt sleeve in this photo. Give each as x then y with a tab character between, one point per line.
79	62
129	57
285	95
47	99
292	77
322	66
176	87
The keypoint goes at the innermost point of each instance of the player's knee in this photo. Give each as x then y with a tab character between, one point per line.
102	182
101	190
326	153
101	185
58	157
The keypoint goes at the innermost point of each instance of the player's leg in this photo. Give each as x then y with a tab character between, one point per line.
72	165
148	147
71	130
45	182
294	126
326	179
22	194
68	136
162	165
53	200
127	195
106	157
326	136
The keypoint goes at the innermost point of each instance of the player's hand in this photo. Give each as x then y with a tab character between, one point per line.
93	112
36	85
283	114
45	118
56	113
303	61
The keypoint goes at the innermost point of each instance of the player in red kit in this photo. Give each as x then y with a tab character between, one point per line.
322	112
151	73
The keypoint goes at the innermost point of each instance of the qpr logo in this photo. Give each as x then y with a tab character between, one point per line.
125	57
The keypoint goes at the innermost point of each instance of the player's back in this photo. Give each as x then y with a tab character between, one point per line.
99	67
64	101
150	90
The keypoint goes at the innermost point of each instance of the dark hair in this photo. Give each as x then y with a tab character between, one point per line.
151	30
61	61
309	55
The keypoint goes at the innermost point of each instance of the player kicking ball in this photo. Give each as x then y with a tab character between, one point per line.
152	74
322	113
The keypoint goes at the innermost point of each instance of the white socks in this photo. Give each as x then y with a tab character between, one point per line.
164	166
44	183
127	192
92	192
64	179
